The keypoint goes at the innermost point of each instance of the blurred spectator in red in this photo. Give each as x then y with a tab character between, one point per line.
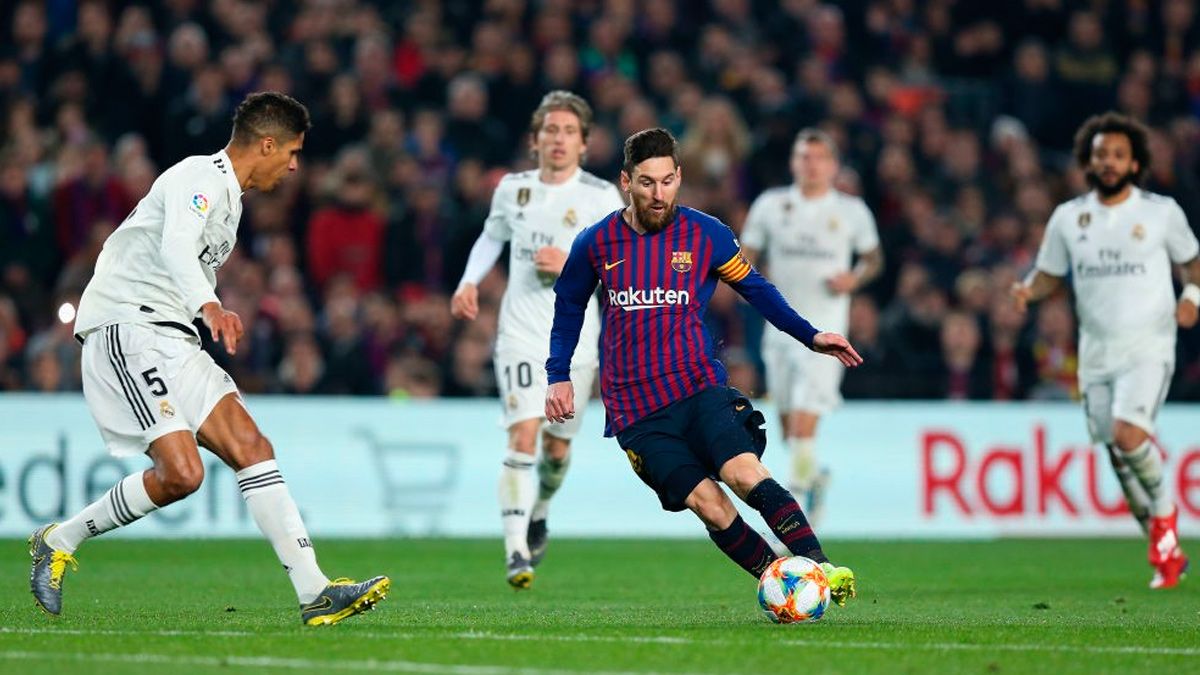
83	200
346	237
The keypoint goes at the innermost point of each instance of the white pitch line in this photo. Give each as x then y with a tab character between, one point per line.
636	639
322	665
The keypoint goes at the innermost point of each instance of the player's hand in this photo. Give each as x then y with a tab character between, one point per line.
549	259
1020	294
837	346
1186	314
842	283
465	302
560	401
226	326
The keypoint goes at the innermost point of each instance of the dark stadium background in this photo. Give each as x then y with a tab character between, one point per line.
955	119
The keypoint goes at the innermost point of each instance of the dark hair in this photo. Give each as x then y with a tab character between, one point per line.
269	113
647	144
1114	123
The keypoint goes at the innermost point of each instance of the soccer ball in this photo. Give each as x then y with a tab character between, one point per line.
793	590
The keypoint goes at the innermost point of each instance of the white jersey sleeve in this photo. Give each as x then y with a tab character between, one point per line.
498	224
1053	257
1181	241
187	203
160	265
756	230
866	234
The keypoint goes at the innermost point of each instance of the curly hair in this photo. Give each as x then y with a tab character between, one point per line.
1114	123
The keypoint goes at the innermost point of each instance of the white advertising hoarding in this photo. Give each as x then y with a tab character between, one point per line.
375	467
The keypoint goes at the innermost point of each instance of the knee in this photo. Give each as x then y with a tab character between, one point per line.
555	448
1128	437
181	479
711	505
523	439
742	473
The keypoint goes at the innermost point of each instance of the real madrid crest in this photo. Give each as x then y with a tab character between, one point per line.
1085	219
164	407
570	219
834	224
681	261
1139	232
522	196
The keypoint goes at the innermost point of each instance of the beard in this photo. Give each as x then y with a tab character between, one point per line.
1106	189
652	221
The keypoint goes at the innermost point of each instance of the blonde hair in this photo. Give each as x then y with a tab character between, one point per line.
560	99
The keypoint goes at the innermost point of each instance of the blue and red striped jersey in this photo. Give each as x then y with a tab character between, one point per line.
655	288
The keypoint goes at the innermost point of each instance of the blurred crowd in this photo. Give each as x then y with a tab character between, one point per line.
955	120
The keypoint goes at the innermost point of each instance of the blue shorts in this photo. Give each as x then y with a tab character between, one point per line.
673	449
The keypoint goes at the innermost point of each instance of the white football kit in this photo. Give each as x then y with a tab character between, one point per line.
1120	260
530	214
807	241
144	373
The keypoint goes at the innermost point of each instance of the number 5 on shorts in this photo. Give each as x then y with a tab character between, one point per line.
156	384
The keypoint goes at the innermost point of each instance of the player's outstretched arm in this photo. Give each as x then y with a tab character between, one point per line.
838	347
464	304
1036	287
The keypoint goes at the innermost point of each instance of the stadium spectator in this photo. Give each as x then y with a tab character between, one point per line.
954	117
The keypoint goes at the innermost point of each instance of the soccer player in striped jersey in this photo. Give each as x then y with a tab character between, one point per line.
153	390
663	388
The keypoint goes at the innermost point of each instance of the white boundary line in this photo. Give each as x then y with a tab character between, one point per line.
321	665
636	639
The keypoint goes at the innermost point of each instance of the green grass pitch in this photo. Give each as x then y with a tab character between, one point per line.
1011	606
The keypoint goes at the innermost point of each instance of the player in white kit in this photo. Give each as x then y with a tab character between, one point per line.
152	389
812	234
1118	243
538	213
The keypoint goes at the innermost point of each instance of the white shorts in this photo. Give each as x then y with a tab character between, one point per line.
1133	395
143	382
521	378
800	379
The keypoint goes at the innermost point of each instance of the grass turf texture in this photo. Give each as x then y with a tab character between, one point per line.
1015	606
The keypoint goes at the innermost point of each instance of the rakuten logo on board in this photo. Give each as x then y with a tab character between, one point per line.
1035	479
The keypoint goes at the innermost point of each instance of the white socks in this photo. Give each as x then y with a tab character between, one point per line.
804	463
272	507
517	492
1135	496
1146	463
124	503
551	473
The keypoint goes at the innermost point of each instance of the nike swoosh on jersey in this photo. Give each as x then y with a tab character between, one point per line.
609	266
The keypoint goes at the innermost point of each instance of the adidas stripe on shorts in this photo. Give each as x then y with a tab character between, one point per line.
142	382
